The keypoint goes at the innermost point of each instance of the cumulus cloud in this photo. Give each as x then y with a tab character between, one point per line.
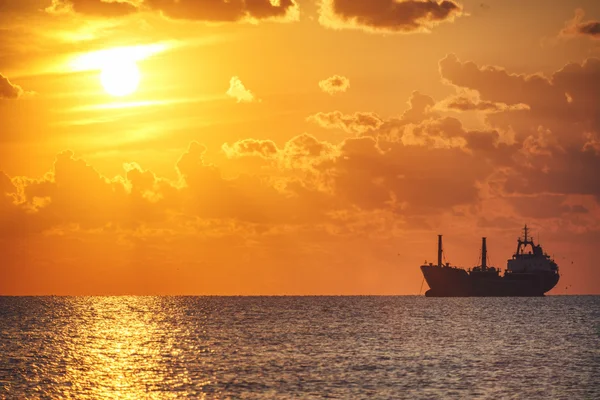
578	27
300	152
392	16
555	137
334	84
357	123
507	88
9	90
566	98
411	171
420	107
254	147
238	91
371	173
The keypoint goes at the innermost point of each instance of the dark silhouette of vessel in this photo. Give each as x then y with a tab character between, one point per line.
528	273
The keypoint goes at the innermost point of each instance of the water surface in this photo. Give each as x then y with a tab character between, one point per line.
300	347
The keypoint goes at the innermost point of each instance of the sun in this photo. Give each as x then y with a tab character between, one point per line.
120	77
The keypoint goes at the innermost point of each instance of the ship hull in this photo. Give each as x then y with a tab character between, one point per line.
455	282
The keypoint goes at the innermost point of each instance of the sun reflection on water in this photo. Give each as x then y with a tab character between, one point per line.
119	350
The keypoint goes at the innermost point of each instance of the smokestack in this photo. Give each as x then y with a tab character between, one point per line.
439	250
483	254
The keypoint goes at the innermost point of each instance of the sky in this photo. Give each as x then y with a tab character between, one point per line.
293	147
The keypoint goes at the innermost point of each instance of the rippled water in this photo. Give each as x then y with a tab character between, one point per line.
303	347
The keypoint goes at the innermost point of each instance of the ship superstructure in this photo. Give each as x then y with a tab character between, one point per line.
530	272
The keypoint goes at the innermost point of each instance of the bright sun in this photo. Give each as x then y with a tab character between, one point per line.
120	78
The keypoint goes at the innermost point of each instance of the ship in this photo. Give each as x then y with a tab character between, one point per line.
530	272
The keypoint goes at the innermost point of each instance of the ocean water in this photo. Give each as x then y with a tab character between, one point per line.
300	347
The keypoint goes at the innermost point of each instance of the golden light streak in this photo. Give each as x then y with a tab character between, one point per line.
98	60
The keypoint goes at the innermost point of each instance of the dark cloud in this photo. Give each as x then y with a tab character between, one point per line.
392	175
565	102
465	103
544	206
94	8
591	28
221	10
194	10
577	27
556	137
387	15
558	171
496	84
102	8
9	90
23	6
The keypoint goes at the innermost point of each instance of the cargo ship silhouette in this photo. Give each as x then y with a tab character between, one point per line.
528	273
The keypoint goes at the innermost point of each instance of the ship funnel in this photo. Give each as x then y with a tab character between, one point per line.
439	250
483	254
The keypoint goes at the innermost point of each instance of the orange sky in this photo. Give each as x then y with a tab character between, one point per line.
293	147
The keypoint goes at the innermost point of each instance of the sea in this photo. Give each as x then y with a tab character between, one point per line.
340	347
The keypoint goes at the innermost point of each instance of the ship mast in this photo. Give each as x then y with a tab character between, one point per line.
521	244
439	251
483	254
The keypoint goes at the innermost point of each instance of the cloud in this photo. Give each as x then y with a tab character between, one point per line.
9	90
96	8
193	10
506	88
565	98
225	10
388	16
470	101
576	27
334	84
22	7
413	172
545	206
238	91
357	123
307	180
416	171
556	137
255	147
420	108
301	152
